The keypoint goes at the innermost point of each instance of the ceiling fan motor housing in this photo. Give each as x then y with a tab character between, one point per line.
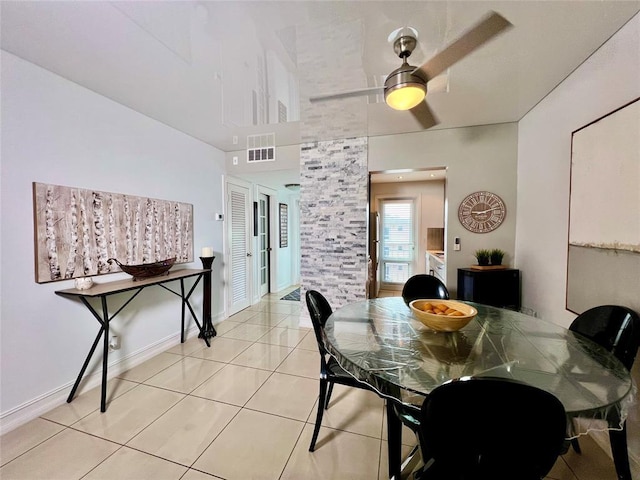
401	78
405	77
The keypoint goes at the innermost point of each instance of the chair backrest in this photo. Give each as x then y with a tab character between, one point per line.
424	286
491	428
614	327
319	311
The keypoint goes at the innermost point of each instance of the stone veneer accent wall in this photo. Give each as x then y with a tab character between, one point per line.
333	173
333	219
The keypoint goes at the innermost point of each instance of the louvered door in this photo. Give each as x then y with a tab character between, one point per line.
239	255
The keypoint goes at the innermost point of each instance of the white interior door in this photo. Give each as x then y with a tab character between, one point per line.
264	248
239	254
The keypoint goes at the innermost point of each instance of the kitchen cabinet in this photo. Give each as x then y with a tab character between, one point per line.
500	288
436	265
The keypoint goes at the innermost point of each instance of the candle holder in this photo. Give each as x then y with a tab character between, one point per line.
207	325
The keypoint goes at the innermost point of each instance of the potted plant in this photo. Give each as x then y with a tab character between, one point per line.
496	256
482	256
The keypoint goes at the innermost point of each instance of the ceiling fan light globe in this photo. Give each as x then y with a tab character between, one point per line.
405	96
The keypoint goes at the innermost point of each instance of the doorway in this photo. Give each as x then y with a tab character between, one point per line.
251	271
252	210
404	206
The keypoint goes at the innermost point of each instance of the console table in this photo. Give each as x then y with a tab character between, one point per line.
104	290
499	288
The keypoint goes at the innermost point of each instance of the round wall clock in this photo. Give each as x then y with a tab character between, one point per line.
482	212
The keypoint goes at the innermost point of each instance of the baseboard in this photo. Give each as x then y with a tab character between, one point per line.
35	407
284	286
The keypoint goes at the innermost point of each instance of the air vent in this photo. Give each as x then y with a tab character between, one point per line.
261	148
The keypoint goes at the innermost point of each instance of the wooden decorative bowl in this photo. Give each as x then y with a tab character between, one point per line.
442	323
146	270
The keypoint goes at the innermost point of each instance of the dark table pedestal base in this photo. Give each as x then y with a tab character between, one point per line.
208	330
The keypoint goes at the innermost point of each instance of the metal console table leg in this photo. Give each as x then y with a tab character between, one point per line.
104	331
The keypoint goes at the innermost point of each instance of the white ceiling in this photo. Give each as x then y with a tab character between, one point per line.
184	63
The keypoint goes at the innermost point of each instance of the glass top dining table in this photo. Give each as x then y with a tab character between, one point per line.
380	342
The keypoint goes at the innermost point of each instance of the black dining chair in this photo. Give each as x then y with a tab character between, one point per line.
332	373
490	428
617	329
424	286
330	370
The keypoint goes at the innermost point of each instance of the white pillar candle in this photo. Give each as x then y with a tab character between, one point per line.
207	252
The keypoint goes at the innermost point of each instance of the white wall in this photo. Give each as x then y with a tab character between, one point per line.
287	258
609	79
54	131
476	158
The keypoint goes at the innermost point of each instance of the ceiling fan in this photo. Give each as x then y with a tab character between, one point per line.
406	87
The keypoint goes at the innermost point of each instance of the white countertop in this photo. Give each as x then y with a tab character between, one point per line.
438	255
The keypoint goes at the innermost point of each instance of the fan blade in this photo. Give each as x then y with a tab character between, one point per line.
485	30
349	93
423	113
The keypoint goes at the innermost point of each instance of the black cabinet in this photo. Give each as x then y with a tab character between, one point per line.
500	288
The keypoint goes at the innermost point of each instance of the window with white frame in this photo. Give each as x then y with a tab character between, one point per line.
397	240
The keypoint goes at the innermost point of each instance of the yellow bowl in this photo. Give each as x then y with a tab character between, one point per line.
442	323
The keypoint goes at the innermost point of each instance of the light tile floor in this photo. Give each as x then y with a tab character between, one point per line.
242	409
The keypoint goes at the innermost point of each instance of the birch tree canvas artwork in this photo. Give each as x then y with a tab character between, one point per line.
78	230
